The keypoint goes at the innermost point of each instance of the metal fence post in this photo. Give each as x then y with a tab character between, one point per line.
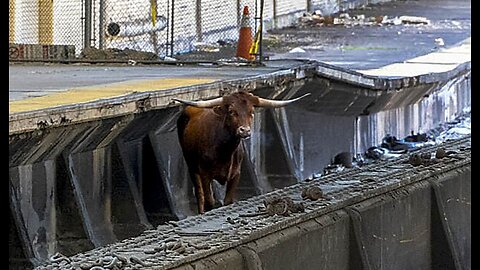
239	12
260	51
101	25
198	18
274	19
172	26
88	24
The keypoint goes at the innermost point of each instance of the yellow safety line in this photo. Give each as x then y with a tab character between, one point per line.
91	93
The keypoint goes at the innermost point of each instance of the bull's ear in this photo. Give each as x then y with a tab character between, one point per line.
218	110
254	100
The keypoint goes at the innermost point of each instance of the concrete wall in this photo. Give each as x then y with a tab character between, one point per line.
421	226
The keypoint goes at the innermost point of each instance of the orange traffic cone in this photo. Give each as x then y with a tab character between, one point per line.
245	40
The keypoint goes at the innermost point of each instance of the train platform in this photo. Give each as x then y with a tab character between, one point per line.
355	54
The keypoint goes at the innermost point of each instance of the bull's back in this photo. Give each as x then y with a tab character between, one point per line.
188	117
194	128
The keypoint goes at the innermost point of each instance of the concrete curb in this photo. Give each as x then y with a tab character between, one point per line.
391	77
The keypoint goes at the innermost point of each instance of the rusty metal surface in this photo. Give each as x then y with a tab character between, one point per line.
227	227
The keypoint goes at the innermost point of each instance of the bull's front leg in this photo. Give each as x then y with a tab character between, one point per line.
231	189
207	190
234	175
199	194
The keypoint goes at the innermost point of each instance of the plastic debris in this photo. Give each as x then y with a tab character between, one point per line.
206	47
314	19
414	20
439	42
297	50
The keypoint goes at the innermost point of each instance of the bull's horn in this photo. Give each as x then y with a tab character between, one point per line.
203	103
262	102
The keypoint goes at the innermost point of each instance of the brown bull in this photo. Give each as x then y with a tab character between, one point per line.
210	133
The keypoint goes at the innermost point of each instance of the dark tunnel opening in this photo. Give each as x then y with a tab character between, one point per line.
154	193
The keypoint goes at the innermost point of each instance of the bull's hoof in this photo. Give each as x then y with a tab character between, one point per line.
217	204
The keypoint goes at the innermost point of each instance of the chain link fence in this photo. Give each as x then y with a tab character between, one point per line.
143	29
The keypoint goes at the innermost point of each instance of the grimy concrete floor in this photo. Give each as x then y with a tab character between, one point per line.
37	80
362	48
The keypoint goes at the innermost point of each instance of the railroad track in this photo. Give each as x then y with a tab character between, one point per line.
196	237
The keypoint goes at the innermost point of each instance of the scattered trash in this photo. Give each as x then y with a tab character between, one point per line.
375	152
392	147
392	21
282	206
233	61
439	42
312	193
415	160
344	158
168	58
453	130
417	138
422	159
314	19
440	153
226	42
414	20
206	47
333	168
392	143
297	50
92	53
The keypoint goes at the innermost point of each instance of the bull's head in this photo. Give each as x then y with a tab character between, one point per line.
237	109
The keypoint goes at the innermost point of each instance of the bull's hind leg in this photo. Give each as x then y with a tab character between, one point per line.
234	176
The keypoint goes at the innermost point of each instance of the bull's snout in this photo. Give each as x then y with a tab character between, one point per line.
243	132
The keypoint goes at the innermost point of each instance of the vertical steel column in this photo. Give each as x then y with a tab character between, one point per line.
87	35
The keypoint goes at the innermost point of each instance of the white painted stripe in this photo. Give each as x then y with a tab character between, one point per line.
440	61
